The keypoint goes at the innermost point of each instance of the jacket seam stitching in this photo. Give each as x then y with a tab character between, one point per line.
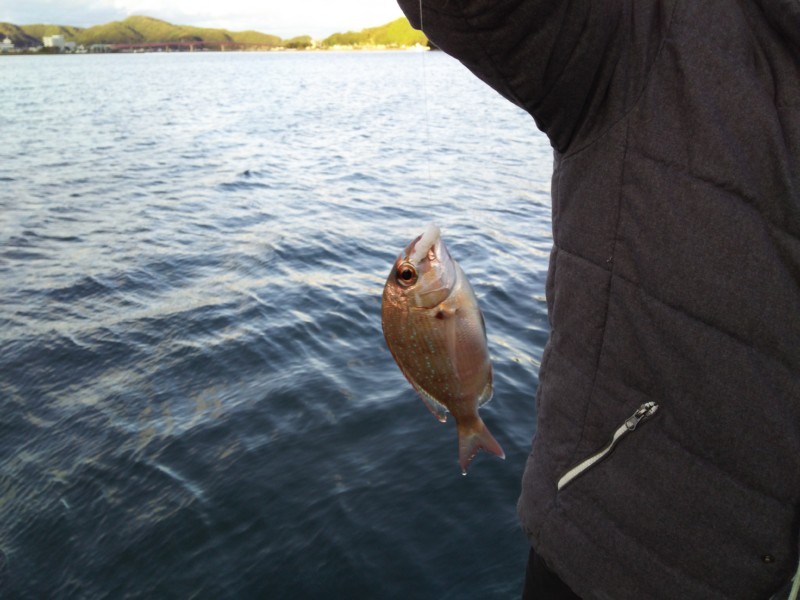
647	79
489	56
611	275
747	199
773	358
737	482
653	555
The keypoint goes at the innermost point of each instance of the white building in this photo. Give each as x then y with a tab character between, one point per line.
53	41
6	45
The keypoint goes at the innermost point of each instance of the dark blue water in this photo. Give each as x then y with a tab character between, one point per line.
196	400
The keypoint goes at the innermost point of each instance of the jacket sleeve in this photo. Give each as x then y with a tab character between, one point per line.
574	65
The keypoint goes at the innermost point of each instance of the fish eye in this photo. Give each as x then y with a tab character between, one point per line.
406	274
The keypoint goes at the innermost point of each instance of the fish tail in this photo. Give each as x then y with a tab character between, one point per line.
473	436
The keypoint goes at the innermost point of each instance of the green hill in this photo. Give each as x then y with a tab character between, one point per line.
40	31
135	30
256	37
18	35
398	33
147	30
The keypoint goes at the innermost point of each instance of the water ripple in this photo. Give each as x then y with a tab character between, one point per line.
197	400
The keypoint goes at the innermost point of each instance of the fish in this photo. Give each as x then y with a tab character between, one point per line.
436	333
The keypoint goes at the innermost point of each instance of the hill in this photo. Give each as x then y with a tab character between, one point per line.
18	35
147	30
40	31
398	33
135	30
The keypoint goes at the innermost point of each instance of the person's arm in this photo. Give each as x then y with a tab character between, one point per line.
575	65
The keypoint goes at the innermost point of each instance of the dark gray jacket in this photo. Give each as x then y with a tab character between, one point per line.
674	279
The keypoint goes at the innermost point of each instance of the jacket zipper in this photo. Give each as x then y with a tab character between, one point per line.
644	412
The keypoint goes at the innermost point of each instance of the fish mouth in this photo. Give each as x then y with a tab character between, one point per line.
434	270
418	249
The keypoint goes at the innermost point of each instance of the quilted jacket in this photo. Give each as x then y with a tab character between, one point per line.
666	460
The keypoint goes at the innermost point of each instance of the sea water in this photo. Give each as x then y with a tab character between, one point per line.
196	400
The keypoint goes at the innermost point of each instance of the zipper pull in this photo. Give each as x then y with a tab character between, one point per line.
645	411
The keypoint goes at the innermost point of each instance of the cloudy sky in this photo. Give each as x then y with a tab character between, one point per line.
285	18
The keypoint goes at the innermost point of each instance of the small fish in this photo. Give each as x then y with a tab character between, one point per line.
436	334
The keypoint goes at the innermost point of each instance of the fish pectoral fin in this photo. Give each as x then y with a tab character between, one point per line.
444	311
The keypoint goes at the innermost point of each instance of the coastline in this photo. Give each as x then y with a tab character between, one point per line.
146	34
157	49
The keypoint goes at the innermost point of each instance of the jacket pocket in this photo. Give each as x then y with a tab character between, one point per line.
643	413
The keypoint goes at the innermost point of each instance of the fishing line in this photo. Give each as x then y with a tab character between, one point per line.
426	115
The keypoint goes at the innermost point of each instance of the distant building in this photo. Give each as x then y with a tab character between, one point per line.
6	45
54	41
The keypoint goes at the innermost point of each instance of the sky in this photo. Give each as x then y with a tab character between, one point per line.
284	18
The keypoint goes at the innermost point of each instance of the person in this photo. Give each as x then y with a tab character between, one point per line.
666	458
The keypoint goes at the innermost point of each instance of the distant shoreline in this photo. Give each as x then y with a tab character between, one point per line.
146	34
343	49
